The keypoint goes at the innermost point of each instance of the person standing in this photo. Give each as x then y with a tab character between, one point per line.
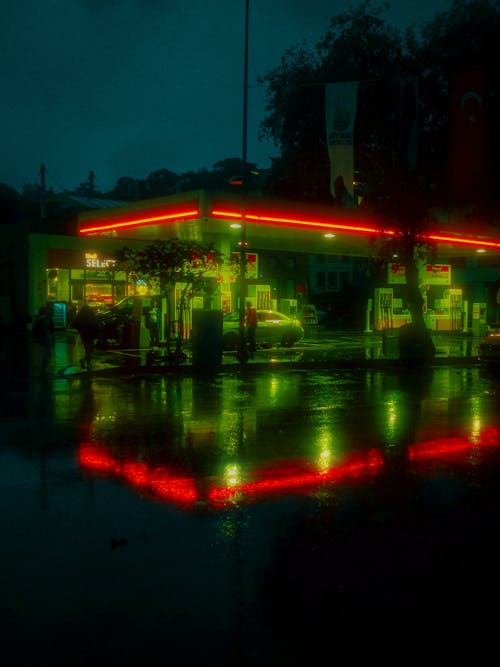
43	332
153	324
251	327
85	323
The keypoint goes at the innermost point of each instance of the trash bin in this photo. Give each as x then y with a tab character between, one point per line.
390	343
207	339
479	319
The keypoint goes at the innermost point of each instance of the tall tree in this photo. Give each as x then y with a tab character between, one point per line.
404	86
358	45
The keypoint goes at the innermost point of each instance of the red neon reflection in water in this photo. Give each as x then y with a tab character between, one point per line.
288	476
158	479
183	489
366	463
450	448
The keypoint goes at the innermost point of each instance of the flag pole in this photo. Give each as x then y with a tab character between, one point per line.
242	347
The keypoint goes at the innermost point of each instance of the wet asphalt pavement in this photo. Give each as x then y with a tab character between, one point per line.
291	516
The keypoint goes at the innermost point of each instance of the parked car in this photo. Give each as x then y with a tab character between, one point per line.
113	320
489	347
273	328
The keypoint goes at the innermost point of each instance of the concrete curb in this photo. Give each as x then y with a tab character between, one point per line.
267	366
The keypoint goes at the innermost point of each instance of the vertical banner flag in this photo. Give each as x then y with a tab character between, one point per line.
340	110
469	145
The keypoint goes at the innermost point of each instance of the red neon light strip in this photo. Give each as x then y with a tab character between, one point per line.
298	222
279	221
292	222
137	222
453	239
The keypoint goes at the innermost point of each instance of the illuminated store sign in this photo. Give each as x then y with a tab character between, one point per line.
94	261
437	274
429	274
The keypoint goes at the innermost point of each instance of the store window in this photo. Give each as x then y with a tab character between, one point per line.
320	280
58	284
98	288
75	276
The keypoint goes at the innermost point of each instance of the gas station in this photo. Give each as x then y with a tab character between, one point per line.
269	225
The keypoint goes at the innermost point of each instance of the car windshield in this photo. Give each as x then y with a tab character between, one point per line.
127	302
231	317
268	316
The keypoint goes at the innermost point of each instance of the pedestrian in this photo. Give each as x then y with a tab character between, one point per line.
43	332
153	324
85	323
251	327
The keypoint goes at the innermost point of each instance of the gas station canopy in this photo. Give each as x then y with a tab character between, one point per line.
270	224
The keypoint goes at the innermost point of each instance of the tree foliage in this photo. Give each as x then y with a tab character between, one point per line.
390	65
358	45
167	264
163	182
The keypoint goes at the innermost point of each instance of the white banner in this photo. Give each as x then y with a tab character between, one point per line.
428	274
340	110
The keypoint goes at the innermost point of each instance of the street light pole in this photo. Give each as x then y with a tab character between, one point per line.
242	348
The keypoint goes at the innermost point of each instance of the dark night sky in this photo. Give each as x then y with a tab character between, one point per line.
125	87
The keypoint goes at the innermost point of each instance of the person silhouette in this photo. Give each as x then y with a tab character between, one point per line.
43	332
85	323
153	324
250	327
